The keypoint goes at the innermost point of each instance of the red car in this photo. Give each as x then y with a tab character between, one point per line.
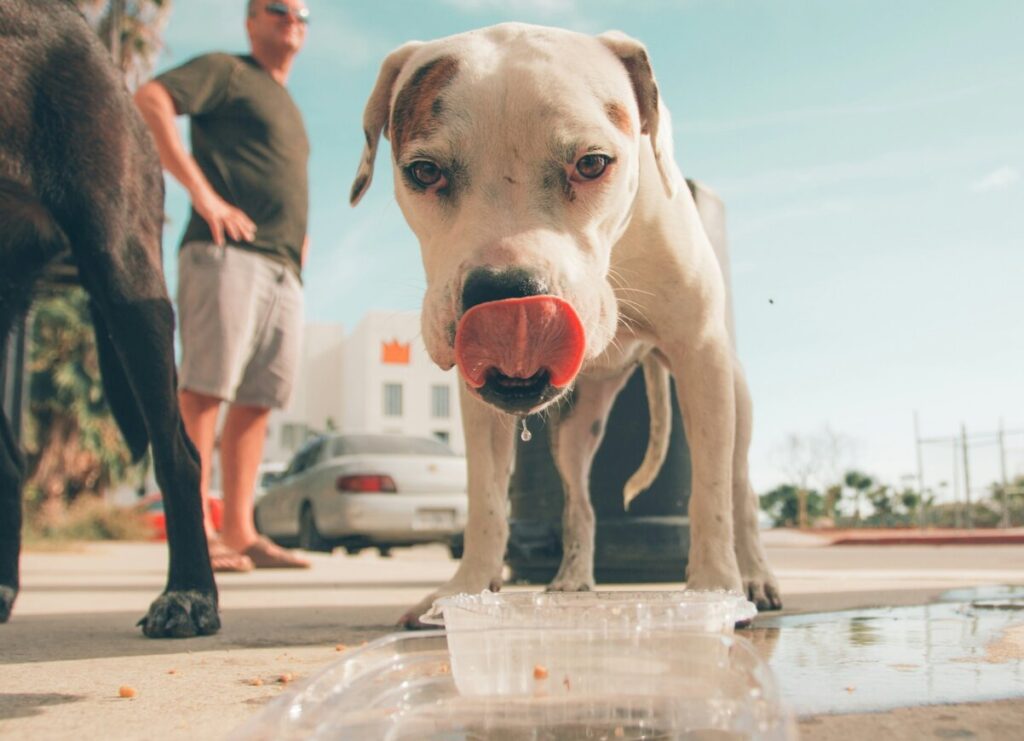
152	506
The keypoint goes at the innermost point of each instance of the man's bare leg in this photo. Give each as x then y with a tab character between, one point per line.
199	413
241	450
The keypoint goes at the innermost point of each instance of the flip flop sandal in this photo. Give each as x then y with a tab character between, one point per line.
266	554
226	560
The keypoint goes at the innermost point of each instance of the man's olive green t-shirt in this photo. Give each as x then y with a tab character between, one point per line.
249	140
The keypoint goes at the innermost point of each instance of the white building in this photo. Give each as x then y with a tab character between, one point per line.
378	379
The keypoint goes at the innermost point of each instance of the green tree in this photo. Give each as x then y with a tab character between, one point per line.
132	30
833	495
783	504
74	446
860	483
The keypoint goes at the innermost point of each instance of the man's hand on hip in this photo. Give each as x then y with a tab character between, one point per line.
224	219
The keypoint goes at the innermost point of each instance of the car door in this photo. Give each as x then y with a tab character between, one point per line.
278	509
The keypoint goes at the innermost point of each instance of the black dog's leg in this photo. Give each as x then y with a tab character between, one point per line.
141	331
117	249
118	256
11	472
29	238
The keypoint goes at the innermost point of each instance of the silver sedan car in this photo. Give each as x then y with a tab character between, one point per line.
356	491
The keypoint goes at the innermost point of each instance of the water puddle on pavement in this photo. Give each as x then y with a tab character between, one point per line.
969	647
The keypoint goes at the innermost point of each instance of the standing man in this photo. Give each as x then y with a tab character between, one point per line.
239	267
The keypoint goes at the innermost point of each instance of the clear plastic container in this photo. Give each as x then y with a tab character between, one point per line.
631	685
702	611
484	662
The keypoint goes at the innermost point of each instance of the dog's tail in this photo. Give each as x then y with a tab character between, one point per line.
118	391
659	402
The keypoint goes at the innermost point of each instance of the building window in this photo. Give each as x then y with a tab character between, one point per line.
293	435
392	400
443	436
440	403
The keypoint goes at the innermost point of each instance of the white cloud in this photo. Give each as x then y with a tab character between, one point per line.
999	179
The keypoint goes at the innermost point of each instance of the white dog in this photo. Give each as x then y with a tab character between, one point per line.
562	247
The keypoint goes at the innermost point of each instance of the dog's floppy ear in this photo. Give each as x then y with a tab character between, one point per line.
654	117
377	113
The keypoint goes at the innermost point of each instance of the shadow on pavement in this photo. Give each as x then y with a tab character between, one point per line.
239	586
73	636
25	705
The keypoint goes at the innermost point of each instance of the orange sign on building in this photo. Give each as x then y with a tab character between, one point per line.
394	352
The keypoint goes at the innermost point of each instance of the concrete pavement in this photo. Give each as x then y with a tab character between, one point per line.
71	643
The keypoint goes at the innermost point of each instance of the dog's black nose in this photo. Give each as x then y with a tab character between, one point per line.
487	284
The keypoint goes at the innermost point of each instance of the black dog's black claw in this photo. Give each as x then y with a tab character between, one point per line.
7	596
181	614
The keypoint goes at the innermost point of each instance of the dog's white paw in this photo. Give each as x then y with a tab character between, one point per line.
410	620
759	583
710	577
763	590
572	580
570	585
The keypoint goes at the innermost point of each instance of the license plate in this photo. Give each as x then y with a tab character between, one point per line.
433	519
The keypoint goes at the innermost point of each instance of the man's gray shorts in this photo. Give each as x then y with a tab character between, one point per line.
241	324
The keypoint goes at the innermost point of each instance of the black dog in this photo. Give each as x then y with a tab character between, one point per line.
79	173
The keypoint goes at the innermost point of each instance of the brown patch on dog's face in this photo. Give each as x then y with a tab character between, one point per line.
619	116
418	107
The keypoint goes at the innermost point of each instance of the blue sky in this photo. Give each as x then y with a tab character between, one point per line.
870	155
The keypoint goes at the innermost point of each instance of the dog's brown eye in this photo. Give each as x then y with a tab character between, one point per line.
425	173
592	166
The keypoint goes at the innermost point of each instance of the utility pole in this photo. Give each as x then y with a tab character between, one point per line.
967	476
958	510
1005	520
116	27
921	515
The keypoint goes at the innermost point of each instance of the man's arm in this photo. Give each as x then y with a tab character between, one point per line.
157	109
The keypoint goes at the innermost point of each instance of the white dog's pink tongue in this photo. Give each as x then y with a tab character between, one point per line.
520	337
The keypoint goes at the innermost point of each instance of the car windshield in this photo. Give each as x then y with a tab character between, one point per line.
389	444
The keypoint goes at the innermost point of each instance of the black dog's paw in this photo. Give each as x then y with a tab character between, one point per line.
182	614
7	596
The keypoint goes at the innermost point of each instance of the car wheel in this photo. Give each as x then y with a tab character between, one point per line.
353	550
455	546
384	551
309	537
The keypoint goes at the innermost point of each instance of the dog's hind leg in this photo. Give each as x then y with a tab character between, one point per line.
139	320
758	581
117	249
579	429
11	474
29	238
141	331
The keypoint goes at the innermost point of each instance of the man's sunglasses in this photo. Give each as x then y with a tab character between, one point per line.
281	10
